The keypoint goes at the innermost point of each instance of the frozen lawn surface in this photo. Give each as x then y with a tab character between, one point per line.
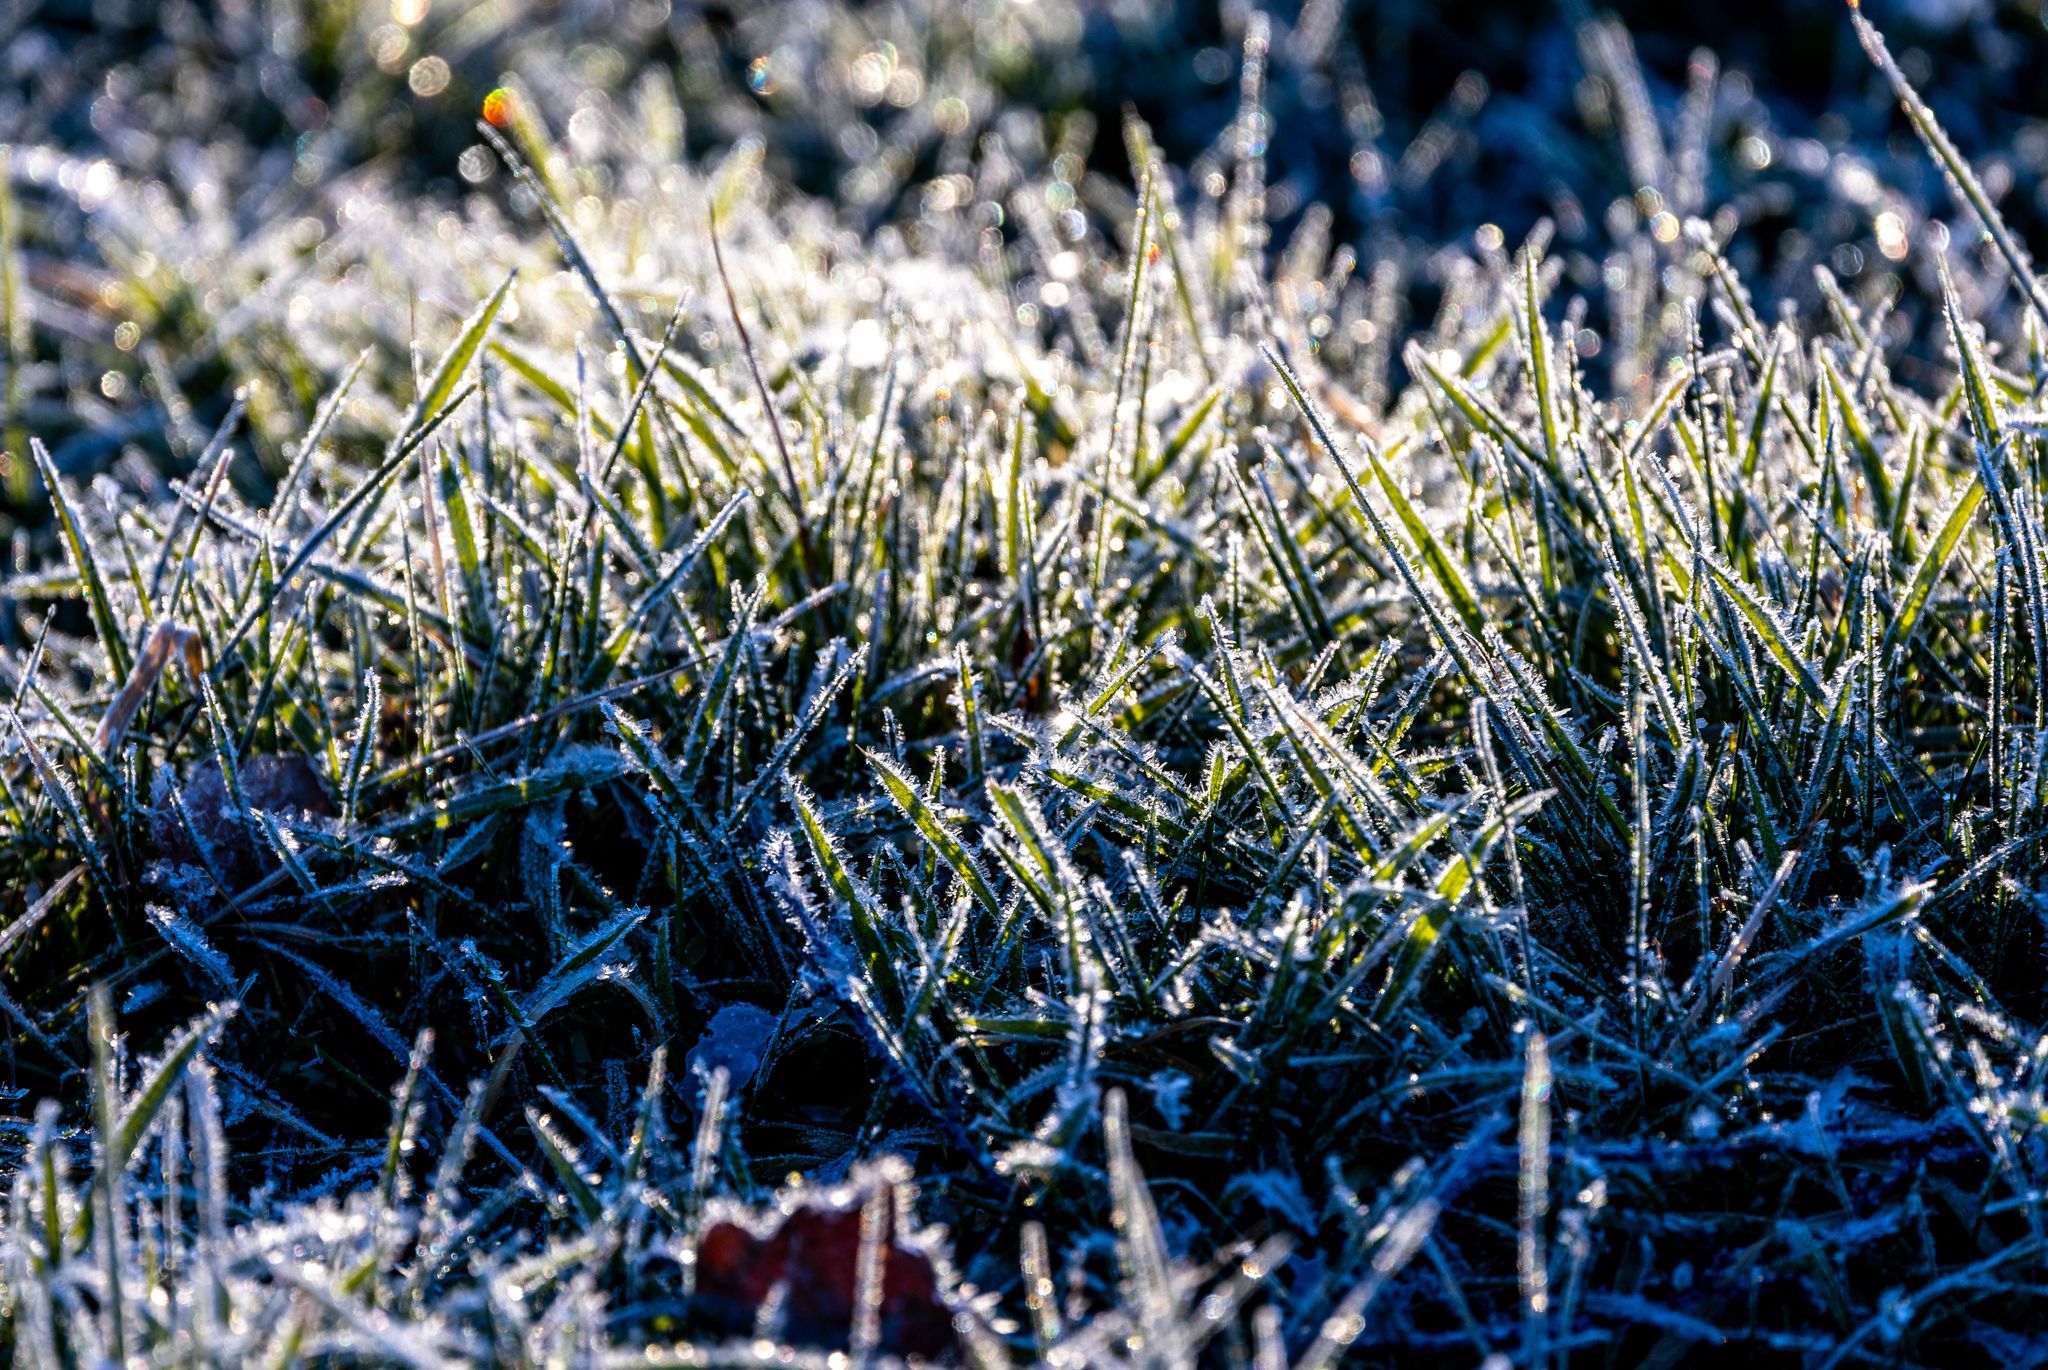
795	658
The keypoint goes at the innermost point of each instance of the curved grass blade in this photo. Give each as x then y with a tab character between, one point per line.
78	543
942	838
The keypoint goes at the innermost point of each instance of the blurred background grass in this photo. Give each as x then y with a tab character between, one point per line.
208	136
332	85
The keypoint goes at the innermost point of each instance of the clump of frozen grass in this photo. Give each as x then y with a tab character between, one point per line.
1071	703
624	1256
